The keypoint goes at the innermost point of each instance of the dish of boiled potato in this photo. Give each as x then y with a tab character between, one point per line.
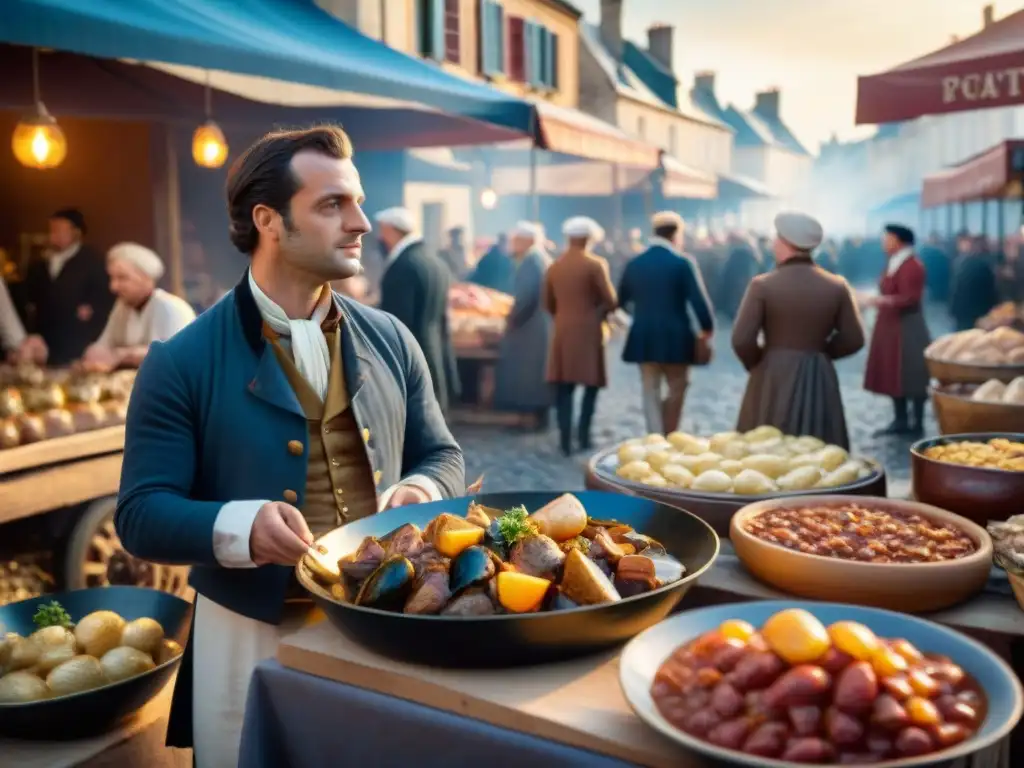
61	658
759	462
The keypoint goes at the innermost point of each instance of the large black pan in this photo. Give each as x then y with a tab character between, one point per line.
89	713
514	640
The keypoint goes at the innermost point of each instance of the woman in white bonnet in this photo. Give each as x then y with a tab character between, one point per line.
142	314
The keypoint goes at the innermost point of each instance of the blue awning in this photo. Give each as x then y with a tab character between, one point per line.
290	40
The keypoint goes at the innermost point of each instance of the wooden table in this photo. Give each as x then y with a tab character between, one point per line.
139	742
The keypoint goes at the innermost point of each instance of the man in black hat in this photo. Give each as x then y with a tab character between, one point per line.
896	366
69	295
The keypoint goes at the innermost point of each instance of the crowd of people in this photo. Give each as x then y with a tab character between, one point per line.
75	307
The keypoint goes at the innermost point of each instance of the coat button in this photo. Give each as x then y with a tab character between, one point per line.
366	435
377	476
291	496
295	447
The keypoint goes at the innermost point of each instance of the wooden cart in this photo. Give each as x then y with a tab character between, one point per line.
64	491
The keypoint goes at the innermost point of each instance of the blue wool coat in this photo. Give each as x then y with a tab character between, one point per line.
658	288
210	419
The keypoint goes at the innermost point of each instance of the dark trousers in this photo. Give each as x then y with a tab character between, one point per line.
564	407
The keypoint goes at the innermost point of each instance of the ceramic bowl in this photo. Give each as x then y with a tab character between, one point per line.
645	653
910	587
976	493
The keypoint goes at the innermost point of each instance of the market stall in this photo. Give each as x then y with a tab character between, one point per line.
476	320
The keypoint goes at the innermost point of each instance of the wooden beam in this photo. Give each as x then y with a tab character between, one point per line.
61	449
32	493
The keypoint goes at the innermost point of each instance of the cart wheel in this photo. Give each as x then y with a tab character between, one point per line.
95	557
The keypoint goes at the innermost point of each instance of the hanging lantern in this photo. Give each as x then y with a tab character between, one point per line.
488	199
38	142
209	147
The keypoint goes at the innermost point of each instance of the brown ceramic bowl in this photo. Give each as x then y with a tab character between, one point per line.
973	492
715	509
949	372
957	413
905	587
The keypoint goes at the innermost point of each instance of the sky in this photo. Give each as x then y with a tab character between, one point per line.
812	50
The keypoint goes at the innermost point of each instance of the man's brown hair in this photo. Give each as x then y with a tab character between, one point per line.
262	175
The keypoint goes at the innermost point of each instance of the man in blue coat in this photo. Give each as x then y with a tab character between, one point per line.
658	288
282	412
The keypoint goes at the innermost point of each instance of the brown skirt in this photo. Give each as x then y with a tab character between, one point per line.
798	392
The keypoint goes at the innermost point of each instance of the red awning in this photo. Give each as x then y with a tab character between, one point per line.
984	70
988	175
576	133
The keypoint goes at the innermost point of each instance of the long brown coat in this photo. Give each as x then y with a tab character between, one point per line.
896	365
579	295
809	318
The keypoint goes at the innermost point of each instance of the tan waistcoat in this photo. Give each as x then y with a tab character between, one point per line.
340	486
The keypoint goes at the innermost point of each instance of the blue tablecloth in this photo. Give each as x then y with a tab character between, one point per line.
295	720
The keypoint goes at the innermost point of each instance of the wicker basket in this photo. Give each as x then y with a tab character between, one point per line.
949	372
957	413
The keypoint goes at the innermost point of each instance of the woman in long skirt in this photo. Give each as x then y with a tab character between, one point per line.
808	319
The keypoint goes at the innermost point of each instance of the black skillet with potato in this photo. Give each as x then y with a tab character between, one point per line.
75	664
507	579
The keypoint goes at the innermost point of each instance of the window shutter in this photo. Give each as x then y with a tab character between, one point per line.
484	38
551	59
492	37
437	36
534	61
516	49
498	27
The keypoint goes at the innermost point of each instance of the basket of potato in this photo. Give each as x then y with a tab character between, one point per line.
716	475
65	679
976	356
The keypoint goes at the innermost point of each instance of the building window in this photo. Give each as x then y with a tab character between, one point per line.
516	49
492	38
451	32
439	29
540	53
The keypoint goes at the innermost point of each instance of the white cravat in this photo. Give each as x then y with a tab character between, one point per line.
308	343
898	260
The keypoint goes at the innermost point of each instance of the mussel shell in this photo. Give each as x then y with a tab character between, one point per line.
557	601
472	567
666	567
644	545
387	587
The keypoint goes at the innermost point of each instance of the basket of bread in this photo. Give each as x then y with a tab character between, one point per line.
989	407
1008	552
976	356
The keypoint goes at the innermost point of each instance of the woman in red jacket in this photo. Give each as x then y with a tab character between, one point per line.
896	366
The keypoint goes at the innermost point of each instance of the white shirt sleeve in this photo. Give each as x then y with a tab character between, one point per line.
12	332
231	531
420	481
114	328
172	314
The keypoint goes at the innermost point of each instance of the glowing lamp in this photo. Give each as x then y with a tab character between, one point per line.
488	199
209	147
38	142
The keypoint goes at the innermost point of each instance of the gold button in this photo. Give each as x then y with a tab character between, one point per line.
295	447
366	435
291	496
327	430
335	463
338	491
377	476
344	509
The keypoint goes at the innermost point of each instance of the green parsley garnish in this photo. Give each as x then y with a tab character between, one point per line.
515	524
52	615
580	542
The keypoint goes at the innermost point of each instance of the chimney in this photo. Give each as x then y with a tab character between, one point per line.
988	15
659	43
704	81
611	27
766	104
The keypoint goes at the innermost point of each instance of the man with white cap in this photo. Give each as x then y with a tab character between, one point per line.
520	383
414	288
578	294
657	288
808	319
142	312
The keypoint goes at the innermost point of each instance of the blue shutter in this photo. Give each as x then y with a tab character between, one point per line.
528	64
437	42
492	37
553	46
550	62
534	54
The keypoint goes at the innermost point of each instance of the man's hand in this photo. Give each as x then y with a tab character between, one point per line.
279	535
32	350
405	495
99	359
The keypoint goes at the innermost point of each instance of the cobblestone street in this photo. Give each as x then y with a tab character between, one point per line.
514	460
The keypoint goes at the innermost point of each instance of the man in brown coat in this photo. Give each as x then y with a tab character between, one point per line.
809	318
578	293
